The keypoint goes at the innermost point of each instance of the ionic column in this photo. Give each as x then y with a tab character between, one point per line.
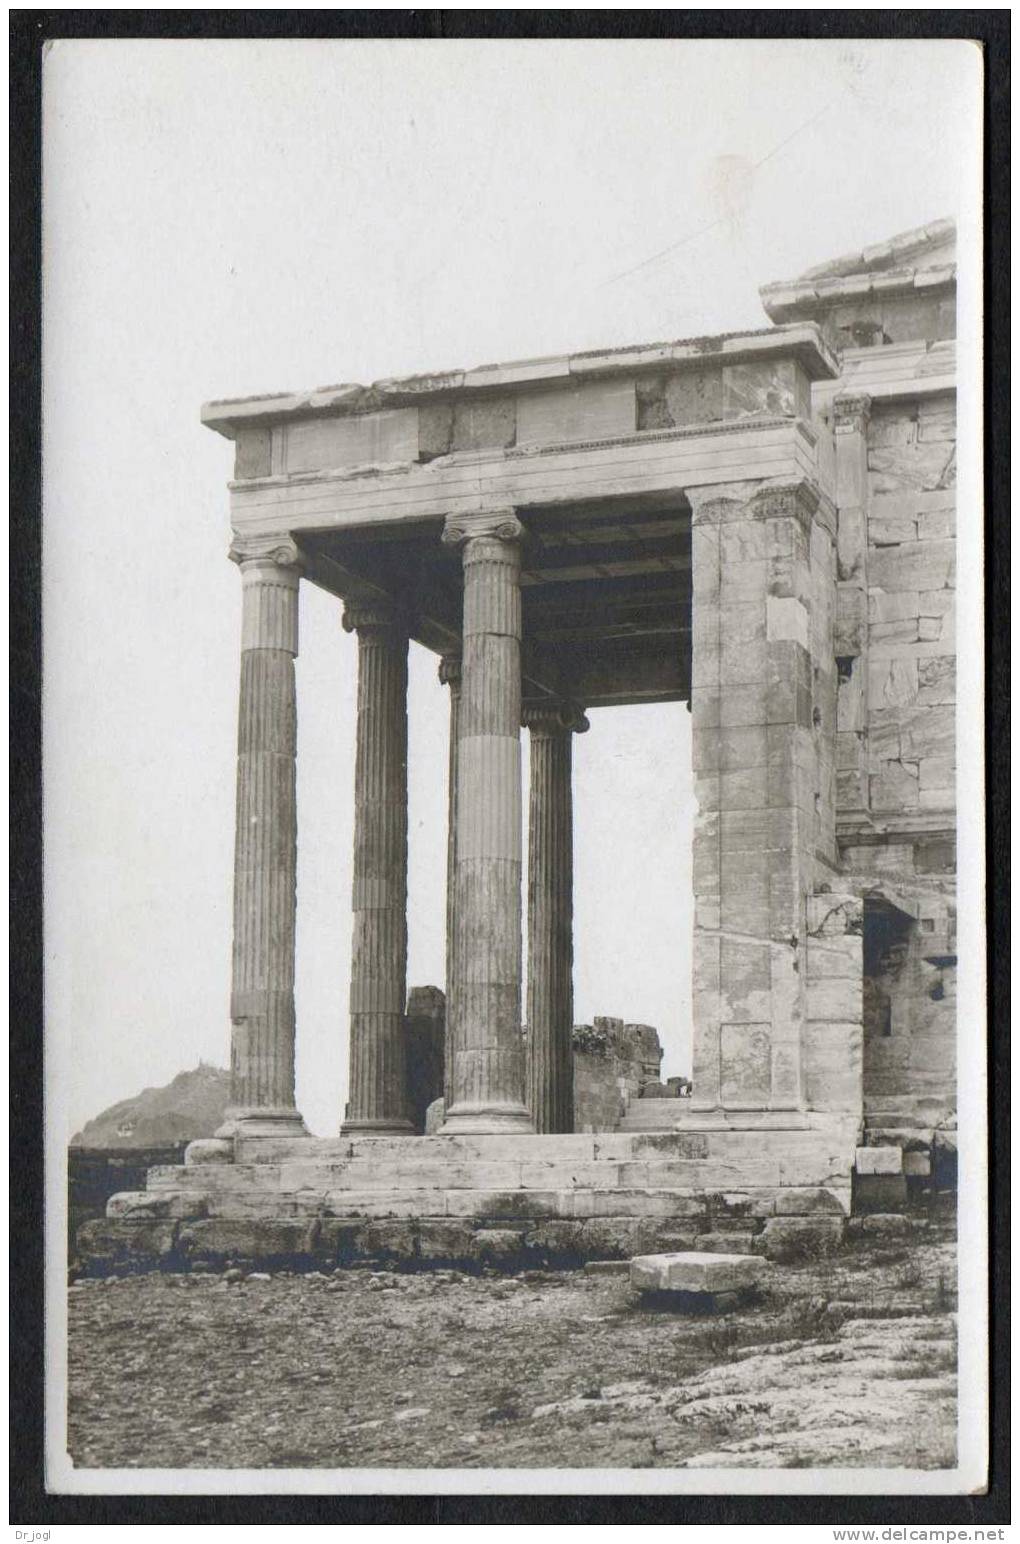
377	1086
550	1060
449	675
265	852
487	1081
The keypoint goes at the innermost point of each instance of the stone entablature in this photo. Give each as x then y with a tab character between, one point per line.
562	399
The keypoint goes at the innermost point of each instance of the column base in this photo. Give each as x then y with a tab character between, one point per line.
270	1122
376	1128
487	1120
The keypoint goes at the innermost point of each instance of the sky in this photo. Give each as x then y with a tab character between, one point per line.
229	218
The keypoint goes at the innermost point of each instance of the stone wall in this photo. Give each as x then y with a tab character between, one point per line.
905	859
911	616
424	1030
612	1060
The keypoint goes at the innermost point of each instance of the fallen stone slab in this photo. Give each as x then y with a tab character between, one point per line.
693	1271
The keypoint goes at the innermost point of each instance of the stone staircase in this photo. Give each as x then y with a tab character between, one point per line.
654	1115
540	1198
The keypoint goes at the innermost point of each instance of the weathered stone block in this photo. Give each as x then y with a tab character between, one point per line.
383	1203
499	1244
809	1201
906	631
879	1160
613	1237
775	388
694	396
833	1061
355	440
802	1238
389	1240
892	683
697	1272
483	422
837	999
125	1243
879	1193
592	410
336	1239
917	1165
435	430
152	1205
936	679
208	1150
897	468
435	1116
921	565
557	1239
896	787
928	731
633	1203
746	1055
937	525
886	1225
890	530
739	1241
892	428
253	453
738	1206
220	1238
450	1240
535	1204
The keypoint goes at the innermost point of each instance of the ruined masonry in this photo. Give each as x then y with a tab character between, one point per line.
759	524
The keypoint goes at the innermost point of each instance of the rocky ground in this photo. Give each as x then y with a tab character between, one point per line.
849	1361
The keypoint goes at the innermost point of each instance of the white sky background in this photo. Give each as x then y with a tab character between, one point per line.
231	218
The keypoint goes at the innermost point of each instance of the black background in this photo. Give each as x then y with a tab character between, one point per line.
30	1505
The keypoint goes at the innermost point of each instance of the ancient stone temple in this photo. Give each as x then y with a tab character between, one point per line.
759	524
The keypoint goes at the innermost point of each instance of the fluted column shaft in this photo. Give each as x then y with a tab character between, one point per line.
487	1081
265	852
550	1059
450	675
377	1095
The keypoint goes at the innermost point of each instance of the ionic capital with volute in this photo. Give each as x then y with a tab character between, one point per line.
270	551
552	718
450	671
366	614
500	525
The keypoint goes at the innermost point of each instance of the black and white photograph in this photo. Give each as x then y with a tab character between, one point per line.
513	766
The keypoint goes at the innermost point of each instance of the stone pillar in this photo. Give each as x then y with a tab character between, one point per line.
449	675
487	1075
376	1096
550	1060
756	778
265	852
850	431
